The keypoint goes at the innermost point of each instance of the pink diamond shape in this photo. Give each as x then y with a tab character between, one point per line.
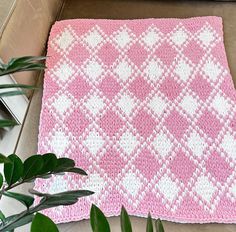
176	124
209	124
111	123
166	53
233	123
78	54
144	123
190	205
190	28
110	30
170	88
137	54
108	54
147	164
54	88
227	87
218	167
201	87
78	119
112	163
108	204
52	61
79	87
110	87
47	116
216	50
156	202
182	167
193	51
81	160
140	88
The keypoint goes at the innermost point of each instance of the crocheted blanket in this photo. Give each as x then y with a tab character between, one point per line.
147	108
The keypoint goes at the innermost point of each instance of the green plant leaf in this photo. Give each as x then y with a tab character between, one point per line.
4	159
1	180
39	194
32	166
27	63
7	123
16	221
2	216
25	59
42	223
63	164
159	226
76	170
24	199
98	220
12	93
22	69
49	163
149	227
125	221
43	176
10	86
32	66
63	198
13	171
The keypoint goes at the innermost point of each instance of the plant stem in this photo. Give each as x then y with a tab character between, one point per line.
2	191
22	215
23	181
9	187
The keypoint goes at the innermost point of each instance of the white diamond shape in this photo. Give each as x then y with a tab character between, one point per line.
157	104
233	190
162	144
65	40
206	36
59	142
189	104
179	37
93	70
168	188
62	103
94	104
122	38
212	70
93	38
94	183
64	72
94	142
132	184
128	142
204	188
183	70
196	144
221	105
123	70
229	145
59	184
126	103
151	38
153	70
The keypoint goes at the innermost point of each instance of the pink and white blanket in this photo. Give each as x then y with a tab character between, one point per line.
148	108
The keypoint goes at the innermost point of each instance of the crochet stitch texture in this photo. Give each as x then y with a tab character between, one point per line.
147	108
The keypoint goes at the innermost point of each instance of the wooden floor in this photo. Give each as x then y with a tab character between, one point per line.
134	9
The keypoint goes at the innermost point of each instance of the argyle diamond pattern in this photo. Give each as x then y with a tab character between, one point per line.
148	108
